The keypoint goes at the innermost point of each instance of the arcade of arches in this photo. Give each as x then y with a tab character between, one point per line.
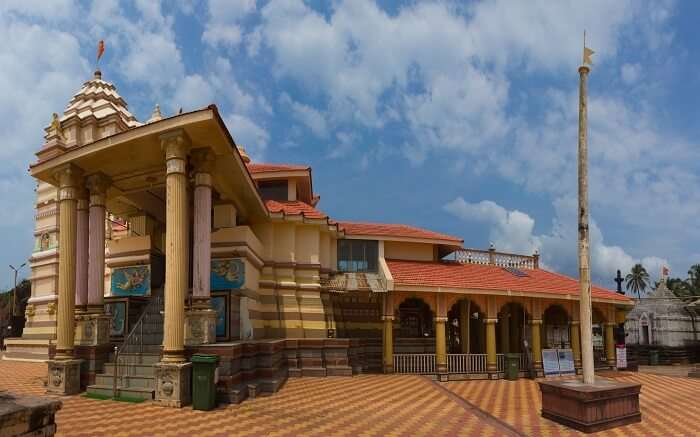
446	324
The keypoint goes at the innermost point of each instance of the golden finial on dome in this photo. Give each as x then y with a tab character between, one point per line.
55	128
155	115
244	154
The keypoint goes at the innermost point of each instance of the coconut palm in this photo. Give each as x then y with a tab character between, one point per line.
637	280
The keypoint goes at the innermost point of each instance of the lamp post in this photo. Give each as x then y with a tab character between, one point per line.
14	290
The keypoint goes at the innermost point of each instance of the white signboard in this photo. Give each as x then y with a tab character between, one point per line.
550	362
566	362
621	355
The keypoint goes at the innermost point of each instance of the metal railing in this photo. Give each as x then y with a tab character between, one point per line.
419	364
466	363
134	342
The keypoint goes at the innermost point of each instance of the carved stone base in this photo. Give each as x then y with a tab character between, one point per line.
91	329
64	377
200	327
173	384
591	408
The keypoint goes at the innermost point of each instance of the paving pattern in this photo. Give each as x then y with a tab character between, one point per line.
669	405
365	405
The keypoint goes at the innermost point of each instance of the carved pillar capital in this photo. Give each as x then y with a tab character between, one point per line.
175	145
68	178
203	159
97	184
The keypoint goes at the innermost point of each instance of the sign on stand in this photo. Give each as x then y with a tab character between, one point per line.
621	356
556	362
550	362
566	362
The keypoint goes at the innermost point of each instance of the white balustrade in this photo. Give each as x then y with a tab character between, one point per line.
466	363
419	364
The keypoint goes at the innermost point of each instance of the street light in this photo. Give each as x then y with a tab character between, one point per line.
14	290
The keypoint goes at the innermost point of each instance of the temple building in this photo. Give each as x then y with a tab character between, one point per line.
161	239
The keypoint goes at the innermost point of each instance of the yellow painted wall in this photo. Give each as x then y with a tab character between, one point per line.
408	251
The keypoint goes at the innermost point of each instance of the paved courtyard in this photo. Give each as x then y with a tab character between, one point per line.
364	406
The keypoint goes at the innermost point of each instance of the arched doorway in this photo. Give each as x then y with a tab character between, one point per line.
416	334
598	337
468	339
511	329
556	328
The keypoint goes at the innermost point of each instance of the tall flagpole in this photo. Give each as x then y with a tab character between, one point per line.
583	238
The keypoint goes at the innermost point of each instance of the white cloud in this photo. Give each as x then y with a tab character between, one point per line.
223	27
307	115
513	231
630	73
249	135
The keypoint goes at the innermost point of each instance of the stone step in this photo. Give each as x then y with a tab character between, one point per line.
132	392
133	369
129	381
148	348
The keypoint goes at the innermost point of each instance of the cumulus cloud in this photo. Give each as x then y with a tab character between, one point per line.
223	27
249	135
513	231
312	118
630	73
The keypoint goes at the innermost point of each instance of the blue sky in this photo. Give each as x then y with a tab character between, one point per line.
456	116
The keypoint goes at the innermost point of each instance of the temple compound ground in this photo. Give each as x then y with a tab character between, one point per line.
365	405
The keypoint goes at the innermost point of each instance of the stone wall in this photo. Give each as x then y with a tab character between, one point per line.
25	416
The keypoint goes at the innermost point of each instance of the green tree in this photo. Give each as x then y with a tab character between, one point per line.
637	280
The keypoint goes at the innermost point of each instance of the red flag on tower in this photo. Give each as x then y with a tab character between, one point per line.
665	271
100	50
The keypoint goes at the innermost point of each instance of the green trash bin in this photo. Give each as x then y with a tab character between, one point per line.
654	357
203	385
512	366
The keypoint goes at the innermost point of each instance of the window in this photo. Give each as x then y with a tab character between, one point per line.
273	190
357	256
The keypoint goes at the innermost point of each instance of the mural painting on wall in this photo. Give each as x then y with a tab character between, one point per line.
218	303
118	312
131	281
227	274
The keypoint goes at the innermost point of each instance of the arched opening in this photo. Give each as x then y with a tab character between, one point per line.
466	338
598	338
644	329
416	334
511	328
556	328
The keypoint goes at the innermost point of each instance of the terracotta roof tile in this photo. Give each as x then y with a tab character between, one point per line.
266	167
294	207
393	230
488	277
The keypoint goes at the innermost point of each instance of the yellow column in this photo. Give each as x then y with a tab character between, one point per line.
68	209
464	325
175	145
536	326
491	364
610	344
440	345
576	342
388	341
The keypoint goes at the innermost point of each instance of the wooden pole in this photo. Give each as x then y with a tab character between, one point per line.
583	238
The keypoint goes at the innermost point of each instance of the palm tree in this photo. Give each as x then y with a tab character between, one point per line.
694	279
637	280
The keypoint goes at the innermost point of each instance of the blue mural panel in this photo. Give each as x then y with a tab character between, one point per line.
118	324
131	281
218	303
227	274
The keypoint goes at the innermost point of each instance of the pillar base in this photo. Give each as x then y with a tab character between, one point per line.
200	327
388	368
63	377
591	407
173	384
91	329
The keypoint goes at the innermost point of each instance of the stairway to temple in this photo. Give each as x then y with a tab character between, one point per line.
136	357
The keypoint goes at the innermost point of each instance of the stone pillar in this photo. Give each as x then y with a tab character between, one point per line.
200	321
536	329
610	343
64	371
81	254
173	374
388	334
575	329
440	345
97	185
491	360
464	319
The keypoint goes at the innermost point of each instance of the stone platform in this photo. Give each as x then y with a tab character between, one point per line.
591	407
22	415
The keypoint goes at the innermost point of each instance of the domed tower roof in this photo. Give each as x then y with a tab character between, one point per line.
99	99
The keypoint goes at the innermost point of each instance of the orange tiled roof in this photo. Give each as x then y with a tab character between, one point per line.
294	207
265	167
393	230
488	277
